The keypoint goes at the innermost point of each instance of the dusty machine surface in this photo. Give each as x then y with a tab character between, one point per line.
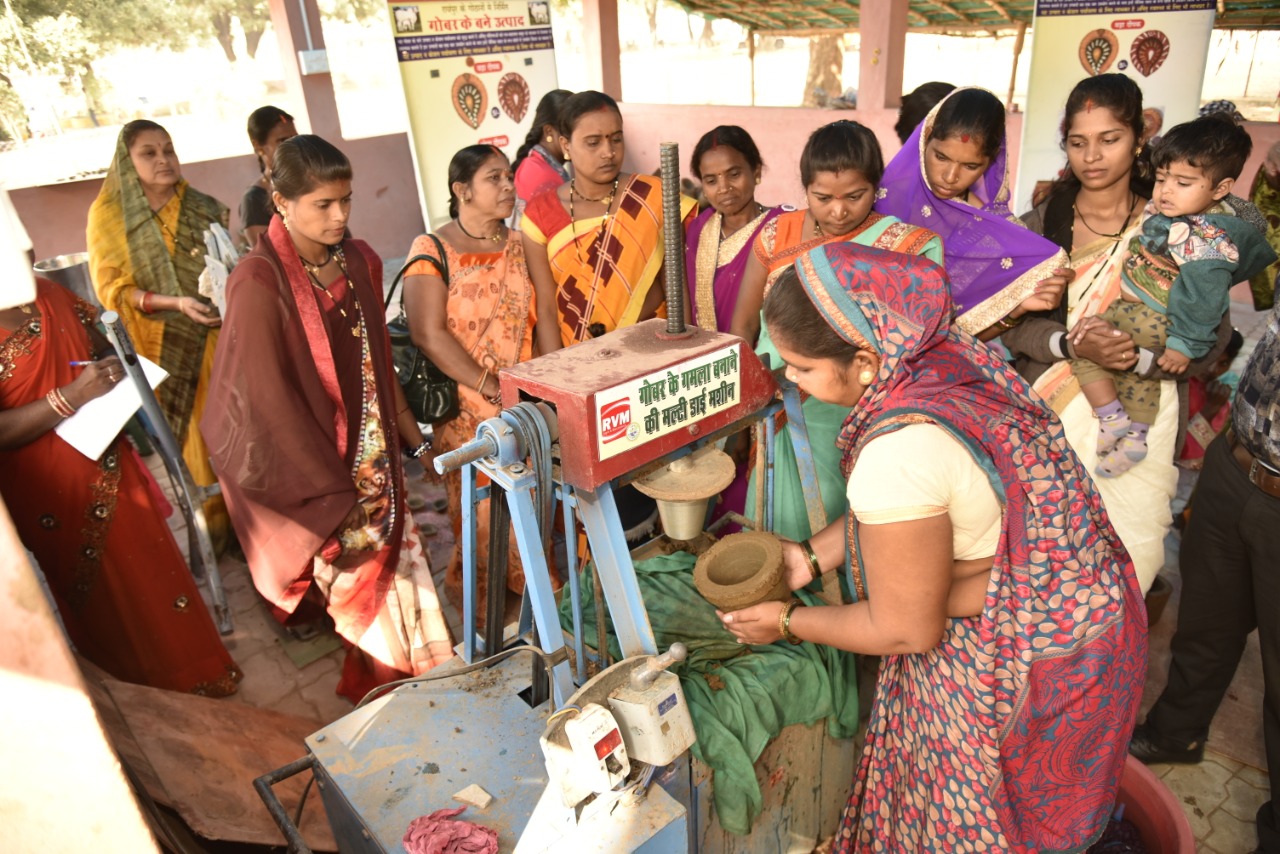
578	752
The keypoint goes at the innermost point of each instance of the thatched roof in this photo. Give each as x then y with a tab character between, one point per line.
957	16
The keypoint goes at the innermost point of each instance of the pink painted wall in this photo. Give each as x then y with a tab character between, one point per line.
385	210
780	133
386	201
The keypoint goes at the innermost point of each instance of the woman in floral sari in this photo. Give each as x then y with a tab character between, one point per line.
839	168
123	590
483	319
146	253
596	241
305	426
983	564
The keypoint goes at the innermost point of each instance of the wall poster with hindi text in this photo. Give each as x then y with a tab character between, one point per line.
1161	44
473	71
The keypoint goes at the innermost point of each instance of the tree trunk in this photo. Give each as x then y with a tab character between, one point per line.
707	39
92	92
222	29
651	6
252	37
826	62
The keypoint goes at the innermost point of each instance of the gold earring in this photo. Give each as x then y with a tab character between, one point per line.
866	377
1137	151
548	140
285	217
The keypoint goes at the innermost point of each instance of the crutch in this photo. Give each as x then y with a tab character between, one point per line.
191	497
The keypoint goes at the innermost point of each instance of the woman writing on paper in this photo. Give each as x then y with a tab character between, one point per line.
122	588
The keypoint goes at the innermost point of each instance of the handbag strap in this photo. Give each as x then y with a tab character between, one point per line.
442	264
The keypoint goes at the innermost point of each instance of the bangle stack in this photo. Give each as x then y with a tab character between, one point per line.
59	403
784	621
417	452
144	302
814	569
1006	323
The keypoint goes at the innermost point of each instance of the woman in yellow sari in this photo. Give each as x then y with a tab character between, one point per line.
146	253
597	240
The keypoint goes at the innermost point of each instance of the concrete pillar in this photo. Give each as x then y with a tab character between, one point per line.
297	26
883	28
603	50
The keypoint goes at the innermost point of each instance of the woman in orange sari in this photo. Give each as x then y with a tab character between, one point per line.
305	425
597	240
840	167
124	593
483	319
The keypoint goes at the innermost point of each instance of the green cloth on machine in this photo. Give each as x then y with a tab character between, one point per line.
740	697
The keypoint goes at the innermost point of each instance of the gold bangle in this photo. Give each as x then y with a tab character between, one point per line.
480	383
784	621
814	569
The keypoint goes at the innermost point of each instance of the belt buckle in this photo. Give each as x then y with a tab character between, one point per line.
1258	470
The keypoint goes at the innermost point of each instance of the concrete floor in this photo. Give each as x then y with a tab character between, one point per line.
1220	796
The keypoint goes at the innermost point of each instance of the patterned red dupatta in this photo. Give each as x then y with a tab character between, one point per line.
1011	734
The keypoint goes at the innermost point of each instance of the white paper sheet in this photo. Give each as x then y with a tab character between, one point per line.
99	421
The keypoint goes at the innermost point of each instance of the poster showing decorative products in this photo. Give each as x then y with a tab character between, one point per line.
1161	44
473	72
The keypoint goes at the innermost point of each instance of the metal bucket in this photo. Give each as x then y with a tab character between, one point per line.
72	272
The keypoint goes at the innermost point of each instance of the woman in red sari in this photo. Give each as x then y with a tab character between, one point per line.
122	589
305	425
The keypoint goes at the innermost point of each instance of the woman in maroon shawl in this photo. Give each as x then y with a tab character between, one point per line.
305	424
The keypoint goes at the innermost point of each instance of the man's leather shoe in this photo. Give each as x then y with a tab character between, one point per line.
1149	748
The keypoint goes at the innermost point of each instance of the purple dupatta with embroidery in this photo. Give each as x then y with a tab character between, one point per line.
992	260
725	280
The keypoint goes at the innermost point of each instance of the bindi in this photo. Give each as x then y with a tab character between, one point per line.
964	137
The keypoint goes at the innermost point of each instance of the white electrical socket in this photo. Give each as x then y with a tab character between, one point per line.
313	61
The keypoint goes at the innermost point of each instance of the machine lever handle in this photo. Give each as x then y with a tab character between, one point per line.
644	675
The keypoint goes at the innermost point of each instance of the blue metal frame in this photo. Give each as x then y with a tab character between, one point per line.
609	549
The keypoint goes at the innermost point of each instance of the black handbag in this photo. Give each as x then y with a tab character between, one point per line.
431	393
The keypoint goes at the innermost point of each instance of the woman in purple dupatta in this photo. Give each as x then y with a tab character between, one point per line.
1010	683
951	177
728	163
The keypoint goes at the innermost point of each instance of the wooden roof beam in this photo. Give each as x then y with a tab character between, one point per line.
952	10
1000	10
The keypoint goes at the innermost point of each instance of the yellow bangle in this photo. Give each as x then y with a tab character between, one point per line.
784	621
480	383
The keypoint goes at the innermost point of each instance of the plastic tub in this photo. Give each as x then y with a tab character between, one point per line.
1155	811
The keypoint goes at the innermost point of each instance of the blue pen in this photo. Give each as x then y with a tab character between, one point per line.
79	364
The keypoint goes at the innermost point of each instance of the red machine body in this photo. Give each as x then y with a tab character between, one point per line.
637	394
